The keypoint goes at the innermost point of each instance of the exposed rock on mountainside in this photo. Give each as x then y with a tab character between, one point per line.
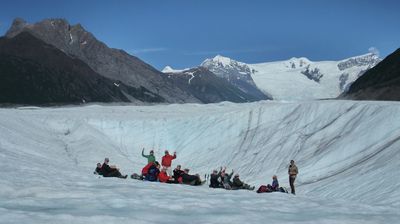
33	72
381	82
108	62
207	87
236	73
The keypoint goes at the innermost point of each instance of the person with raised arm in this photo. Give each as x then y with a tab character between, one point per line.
150	158
167	161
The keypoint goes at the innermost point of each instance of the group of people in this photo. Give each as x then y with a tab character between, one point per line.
274	187
222	179
163	173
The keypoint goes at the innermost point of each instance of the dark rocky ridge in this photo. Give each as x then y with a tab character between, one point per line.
237	74
33	72
381	82
111	63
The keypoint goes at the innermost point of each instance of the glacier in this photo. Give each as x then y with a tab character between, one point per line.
295	78
347	153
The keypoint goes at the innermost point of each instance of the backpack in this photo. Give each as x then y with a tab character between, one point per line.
263	189
152	174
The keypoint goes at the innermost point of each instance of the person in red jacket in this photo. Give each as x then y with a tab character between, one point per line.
164	178
167	161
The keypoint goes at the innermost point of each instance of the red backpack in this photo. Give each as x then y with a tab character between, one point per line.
263	189
145	169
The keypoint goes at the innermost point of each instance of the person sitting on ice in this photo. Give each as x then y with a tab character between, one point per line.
150	158
110	171
153	172
164	178
272	188
98	169
191	179
167	161
177	173
238	184
275	183
226	179
215	179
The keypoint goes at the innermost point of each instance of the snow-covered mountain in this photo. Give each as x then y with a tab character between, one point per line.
228	68
236	73
296	78
207	87
302	79
212	86
347	153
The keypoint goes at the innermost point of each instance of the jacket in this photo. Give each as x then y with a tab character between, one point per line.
167	160
98	171
153	173
214	182
275	185
293	171
187	178
177	174
163	177
146	168
227	178
237	182
150	158
106	169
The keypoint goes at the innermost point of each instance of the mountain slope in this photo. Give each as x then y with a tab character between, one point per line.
302	79
236	73
110	63
293	79
382	82
33	72
207	87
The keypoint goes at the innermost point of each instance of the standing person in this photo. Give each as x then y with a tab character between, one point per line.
150	158
292	171
167	161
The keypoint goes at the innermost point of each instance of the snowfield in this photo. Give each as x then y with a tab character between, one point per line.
302	79
347	153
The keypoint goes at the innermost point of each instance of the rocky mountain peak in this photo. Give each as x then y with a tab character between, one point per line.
221	61
111	63
370	59
17	25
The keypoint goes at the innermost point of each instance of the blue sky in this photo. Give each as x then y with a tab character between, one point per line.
183	33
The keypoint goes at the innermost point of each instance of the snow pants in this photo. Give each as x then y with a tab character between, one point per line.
291	182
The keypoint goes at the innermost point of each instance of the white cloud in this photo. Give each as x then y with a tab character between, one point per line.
148	50
373	50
